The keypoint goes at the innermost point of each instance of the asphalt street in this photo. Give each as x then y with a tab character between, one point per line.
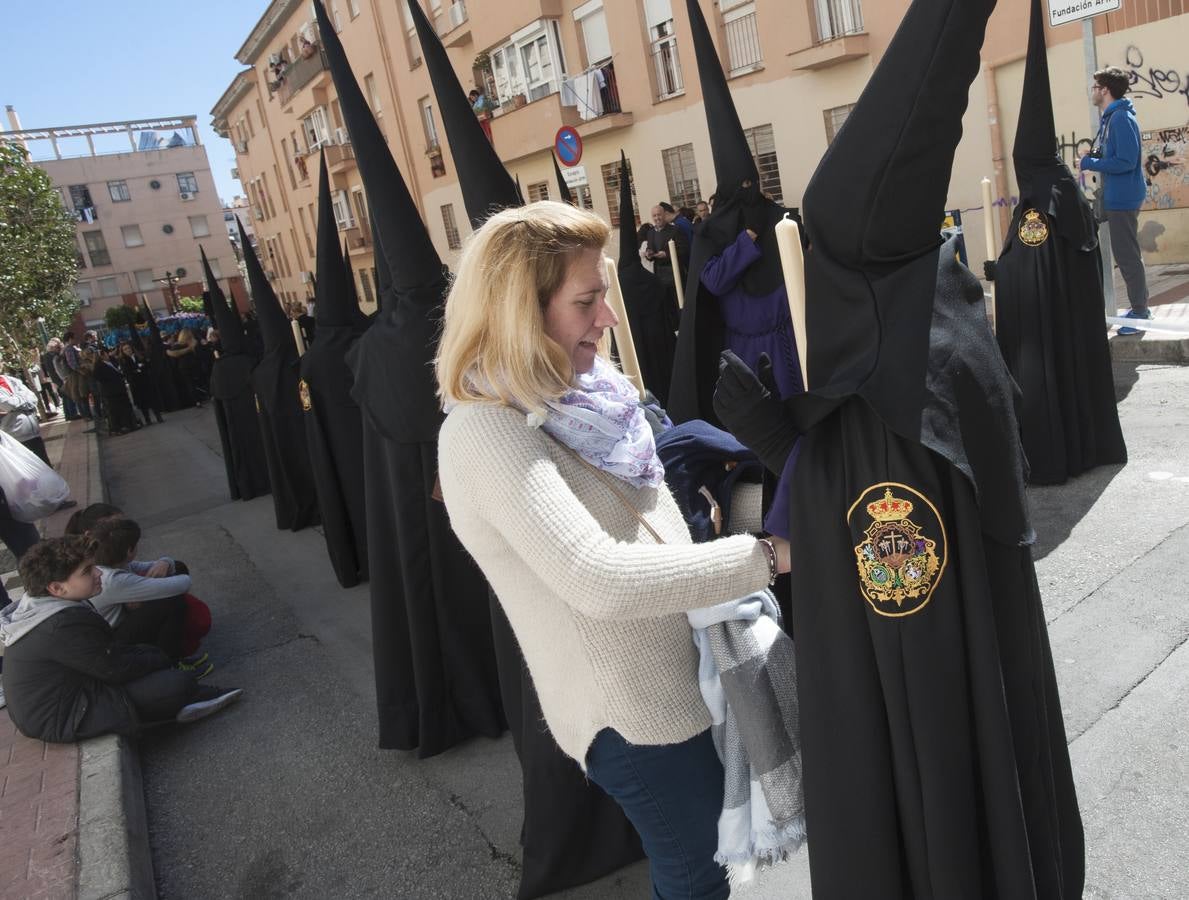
286	795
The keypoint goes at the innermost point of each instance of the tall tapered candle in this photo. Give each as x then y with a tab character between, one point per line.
989	231
792	260
297	338
628	361
677	280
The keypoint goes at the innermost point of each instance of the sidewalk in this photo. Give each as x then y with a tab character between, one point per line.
1168	298
39	782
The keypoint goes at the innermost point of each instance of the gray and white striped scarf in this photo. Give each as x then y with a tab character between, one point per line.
748	678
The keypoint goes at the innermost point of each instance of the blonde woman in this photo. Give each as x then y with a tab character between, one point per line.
552	482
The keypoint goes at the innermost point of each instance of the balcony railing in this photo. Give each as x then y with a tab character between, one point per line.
299	74
594	93
837	18
743	44
666	66
450	16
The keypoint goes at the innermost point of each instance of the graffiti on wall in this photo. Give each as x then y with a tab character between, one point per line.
1163	154
1153	81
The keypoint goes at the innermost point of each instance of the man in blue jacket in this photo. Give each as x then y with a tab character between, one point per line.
1116	156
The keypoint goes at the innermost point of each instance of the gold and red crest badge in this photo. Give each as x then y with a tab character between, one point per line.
902	553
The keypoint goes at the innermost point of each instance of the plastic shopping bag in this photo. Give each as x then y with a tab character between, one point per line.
33	490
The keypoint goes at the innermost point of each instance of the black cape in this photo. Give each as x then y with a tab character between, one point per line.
930	717
431	631
283	437
334	436
1049	298
239	427
1049	323
572	832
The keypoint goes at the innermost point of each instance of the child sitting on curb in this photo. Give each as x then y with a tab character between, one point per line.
198	614
67	677
143	602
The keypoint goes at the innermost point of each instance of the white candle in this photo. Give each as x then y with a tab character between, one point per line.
628	361
677	274
989	232
792	260
297	338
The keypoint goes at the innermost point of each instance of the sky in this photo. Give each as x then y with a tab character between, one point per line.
71	62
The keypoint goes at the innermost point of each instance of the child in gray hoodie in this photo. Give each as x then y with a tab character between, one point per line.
67	676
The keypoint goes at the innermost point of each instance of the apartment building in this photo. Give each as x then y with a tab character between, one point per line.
622	73
144	199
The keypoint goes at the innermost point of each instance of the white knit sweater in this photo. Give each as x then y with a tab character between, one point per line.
597	606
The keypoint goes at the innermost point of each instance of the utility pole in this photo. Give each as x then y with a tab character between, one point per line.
1090	55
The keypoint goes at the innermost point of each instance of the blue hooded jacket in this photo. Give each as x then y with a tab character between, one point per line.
1124	185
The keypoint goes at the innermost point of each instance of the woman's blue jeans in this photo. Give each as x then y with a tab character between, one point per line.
672	794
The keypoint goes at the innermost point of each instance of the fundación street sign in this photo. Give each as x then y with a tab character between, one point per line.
574	176
568	145
1062	12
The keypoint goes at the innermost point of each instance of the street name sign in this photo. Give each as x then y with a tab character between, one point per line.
1062	12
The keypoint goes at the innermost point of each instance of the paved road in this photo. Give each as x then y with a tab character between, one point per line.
286	796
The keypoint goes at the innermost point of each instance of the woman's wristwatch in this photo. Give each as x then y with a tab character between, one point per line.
770	551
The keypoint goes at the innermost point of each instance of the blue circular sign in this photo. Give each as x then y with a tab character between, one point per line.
568	145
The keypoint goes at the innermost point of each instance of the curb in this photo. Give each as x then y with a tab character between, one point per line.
1141	349
114	859
114	862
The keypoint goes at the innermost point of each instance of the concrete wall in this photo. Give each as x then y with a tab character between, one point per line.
151	210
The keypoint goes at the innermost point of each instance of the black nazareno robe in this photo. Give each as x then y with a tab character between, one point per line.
283	438
239	427
935	755
1049	323
436	682
334	435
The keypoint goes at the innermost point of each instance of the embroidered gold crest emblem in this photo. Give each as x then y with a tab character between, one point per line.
1034	230
303	394
900	562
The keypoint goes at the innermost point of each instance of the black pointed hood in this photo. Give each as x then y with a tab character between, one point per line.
227	319
334	295
412	261
1045	181
733	162
352	293
629	249
891	317
876	201
486	185
563	189
275	329
1036	133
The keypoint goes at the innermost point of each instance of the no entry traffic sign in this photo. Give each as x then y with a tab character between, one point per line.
1063	11
568	146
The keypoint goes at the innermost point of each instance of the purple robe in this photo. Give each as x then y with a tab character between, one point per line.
756	325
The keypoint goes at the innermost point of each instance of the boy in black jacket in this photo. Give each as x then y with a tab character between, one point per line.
66	677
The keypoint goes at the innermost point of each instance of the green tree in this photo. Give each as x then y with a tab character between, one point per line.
38	266
120	317
190	304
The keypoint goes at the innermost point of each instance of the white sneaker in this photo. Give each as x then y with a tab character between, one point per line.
208	701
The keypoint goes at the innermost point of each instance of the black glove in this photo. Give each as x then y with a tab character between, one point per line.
989	269
752	412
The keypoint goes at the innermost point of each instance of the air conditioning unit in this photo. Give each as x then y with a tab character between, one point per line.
307	277
341	136
258	212
241	146
186	195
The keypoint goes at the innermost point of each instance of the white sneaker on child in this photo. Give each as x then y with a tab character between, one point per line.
207	701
